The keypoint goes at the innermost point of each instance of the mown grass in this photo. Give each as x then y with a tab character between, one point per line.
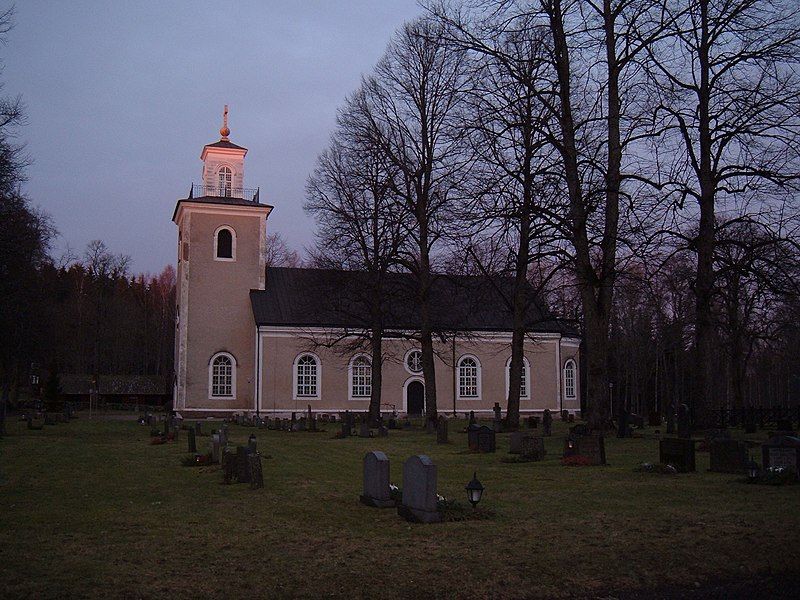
91	509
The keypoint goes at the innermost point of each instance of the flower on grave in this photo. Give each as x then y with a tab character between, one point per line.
440	498
393	487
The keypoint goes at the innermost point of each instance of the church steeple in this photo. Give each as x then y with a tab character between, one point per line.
223	165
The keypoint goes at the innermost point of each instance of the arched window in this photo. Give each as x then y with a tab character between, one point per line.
414	361
524	384
224	243
360	377
306	376
225	179
222	376
570	379
469	377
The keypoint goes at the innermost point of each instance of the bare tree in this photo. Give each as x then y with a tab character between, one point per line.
410	109
731	114
277	252
358	228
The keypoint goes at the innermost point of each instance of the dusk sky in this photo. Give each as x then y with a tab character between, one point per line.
122	96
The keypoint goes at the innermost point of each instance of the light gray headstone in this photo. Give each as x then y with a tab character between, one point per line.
419	488
215	448
376	475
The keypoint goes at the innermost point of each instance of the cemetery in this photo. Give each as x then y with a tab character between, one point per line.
315	504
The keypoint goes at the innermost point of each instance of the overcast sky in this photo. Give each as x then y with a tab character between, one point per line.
122	96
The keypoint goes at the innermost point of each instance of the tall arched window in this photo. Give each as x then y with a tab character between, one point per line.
570	371
306	376
524	384
360	377
225	179
222	376
224	243
469	377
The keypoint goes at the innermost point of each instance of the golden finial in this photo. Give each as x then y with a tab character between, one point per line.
224	131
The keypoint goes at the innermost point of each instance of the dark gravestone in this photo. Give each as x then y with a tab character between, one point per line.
592	447
654	419
198	429
441	430
346	431
229	467
216	448
533	422
383	431
498	412
363	430
497	425
671	417
636	420
392	423
472	420
677	452
571	418
192	441
487	440
251	442
242	468
419	503
430	425
376	481
728	456
516	440
782	451
684	423
547	422
564	415
623	426
532	448
255	471
472	437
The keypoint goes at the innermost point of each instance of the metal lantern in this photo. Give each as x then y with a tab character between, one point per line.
474	490
752	470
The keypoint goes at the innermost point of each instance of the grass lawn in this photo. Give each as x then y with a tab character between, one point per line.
91	509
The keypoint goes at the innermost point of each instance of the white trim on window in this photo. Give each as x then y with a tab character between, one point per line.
405	361
468	377
311	377
233	243
570	380
221	383
225	180
359	377
526	374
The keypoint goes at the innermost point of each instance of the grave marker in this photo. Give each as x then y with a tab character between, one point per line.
419	491
376	480
678	452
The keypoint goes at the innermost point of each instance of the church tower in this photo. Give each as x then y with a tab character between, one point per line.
221	241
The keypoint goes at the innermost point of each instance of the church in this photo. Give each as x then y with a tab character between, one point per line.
256	339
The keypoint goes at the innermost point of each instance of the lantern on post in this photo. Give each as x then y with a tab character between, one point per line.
474	490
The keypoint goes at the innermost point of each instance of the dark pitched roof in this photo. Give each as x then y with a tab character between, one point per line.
225	144
332	298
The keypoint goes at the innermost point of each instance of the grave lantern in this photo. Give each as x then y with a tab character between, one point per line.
752	471
474	490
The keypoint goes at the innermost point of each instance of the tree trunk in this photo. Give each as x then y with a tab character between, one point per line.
377	374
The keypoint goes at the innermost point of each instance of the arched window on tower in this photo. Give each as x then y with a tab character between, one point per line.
224	244
225	180
222	376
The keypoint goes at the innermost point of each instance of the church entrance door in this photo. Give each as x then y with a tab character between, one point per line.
415	398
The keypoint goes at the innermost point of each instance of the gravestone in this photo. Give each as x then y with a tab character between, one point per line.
363	430
532	448
533	422
430	425
671	419
636	420
654	418
516	440
592	447
376	480
498	413
192	442
229	466
392	423
242	469
678	452
728	456
782	451
419	491
571	418
198	429
487	440
383	431
255	472
472	420
251	442
346	431
623	426
684	422
215	448
564	415
497	425
441	430
472	437
547	422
